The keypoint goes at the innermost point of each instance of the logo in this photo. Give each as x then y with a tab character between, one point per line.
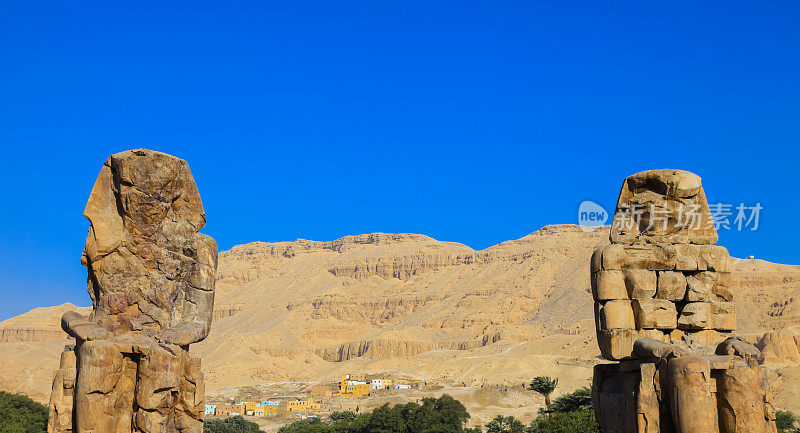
591	216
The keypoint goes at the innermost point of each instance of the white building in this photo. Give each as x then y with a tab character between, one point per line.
402	386
377	383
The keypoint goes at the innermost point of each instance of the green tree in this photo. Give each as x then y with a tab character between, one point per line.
579	421
785	421
346	415
576	400
434	415
234	424
497	425
514	425
20	414
505	424
545	386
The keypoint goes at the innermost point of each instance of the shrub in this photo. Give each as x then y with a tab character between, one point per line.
579	421
20	414
234	424
577	400
785	421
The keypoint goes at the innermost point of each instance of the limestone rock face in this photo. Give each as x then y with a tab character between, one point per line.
680	371
780	347
151	278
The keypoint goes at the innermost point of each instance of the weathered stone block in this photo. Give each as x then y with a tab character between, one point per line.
675	335
659	257
741	400
614	398
695	315
655	334
613	257
616	344
640	283
700	285
654	257
61	398
716	257
655	314
597	260
721	291
607	285
701	258
705	337
694	409
671	285
617	314
723	316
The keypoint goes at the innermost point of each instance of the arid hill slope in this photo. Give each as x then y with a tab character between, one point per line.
405	305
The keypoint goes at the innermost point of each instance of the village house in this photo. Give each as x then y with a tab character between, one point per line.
226	410
353	388
253	409
356	390
302	405
270	410
211	409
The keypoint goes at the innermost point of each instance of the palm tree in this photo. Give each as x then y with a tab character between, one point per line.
505	424
576	400
545	386
514	425
496	425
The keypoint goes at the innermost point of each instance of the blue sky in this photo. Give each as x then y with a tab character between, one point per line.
474	122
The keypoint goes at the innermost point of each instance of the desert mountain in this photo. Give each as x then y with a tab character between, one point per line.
412	307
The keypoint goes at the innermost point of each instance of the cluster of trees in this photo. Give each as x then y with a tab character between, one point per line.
569	413
434	415
20	414
787	422
234	424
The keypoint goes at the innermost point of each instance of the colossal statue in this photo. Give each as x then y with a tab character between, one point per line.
151	280
664	311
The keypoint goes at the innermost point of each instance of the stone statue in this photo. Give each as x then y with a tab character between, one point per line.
664	311
151	279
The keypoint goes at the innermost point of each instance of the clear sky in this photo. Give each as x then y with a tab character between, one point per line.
474	122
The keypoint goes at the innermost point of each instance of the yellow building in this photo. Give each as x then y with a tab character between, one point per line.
357	377
270	410
357	390
320	391
226	410
253	408
302	405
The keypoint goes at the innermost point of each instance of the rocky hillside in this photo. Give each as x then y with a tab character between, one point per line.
405	305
